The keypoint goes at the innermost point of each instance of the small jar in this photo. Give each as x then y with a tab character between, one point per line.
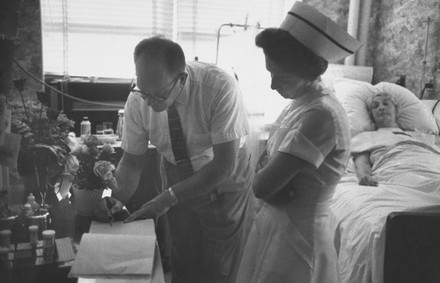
5	238
33	235
48	244
4	259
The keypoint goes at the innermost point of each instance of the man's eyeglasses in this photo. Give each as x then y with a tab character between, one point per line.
151	96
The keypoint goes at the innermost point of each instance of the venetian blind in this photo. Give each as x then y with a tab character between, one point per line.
96	38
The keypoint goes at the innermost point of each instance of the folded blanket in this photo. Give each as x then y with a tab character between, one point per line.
384	137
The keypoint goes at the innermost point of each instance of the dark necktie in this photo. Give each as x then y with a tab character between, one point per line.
178	143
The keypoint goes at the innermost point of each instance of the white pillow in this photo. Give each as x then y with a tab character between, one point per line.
355	97
434	107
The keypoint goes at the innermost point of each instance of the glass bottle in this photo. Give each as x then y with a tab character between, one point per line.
86	127
48	244
32	202
33	235
120	125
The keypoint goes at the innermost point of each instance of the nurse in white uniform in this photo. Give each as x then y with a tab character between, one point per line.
307	152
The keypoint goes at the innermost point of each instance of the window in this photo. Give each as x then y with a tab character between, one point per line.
96	38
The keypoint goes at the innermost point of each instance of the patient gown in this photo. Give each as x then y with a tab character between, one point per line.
292	242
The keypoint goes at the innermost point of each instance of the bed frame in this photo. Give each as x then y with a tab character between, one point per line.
412	247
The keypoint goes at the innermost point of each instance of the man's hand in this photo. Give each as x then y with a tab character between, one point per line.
154	208
368	180
107	207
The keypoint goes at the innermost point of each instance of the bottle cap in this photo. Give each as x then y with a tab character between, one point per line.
86	118
48	233
5	233
33	228
4	250
121	111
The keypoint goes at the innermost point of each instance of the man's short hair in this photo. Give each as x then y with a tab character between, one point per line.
163	49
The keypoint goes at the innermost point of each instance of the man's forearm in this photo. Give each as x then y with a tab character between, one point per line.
127	175
212	174
201	182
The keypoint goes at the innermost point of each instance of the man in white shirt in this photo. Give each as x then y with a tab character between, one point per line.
210	209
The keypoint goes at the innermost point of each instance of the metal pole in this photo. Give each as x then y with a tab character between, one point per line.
425	54
245	26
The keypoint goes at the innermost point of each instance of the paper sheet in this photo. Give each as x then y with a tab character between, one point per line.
138	227
114	256
116	251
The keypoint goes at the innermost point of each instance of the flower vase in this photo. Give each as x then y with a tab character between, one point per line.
85	201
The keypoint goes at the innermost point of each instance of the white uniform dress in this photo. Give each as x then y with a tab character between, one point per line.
292	242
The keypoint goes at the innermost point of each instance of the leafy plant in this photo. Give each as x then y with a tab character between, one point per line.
43	130
39	124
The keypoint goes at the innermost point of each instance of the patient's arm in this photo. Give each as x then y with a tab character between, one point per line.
363	169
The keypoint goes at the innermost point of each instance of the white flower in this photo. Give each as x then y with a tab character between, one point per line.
71	165
104	169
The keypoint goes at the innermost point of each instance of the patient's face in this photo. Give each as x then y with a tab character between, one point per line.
383	111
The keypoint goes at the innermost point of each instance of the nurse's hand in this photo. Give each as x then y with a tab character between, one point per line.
282	197
368	181
154	208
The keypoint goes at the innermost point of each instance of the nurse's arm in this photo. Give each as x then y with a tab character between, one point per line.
280	169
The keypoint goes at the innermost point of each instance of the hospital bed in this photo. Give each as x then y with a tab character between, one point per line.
389	233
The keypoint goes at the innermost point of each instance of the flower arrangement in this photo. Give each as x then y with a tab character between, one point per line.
38	123
43	150
91	167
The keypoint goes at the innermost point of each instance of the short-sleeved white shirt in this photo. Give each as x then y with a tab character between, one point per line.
315	129
211	111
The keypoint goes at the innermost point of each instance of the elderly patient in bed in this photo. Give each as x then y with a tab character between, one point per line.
371	148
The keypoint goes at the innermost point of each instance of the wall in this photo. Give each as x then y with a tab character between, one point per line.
27	48
337	10
399	35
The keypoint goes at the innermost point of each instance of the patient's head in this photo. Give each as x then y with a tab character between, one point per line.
384	111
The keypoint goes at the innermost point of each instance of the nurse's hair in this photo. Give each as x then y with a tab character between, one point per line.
290	55
161	48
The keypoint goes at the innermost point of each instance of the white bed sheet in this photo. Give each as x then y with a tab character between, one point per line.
409	180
